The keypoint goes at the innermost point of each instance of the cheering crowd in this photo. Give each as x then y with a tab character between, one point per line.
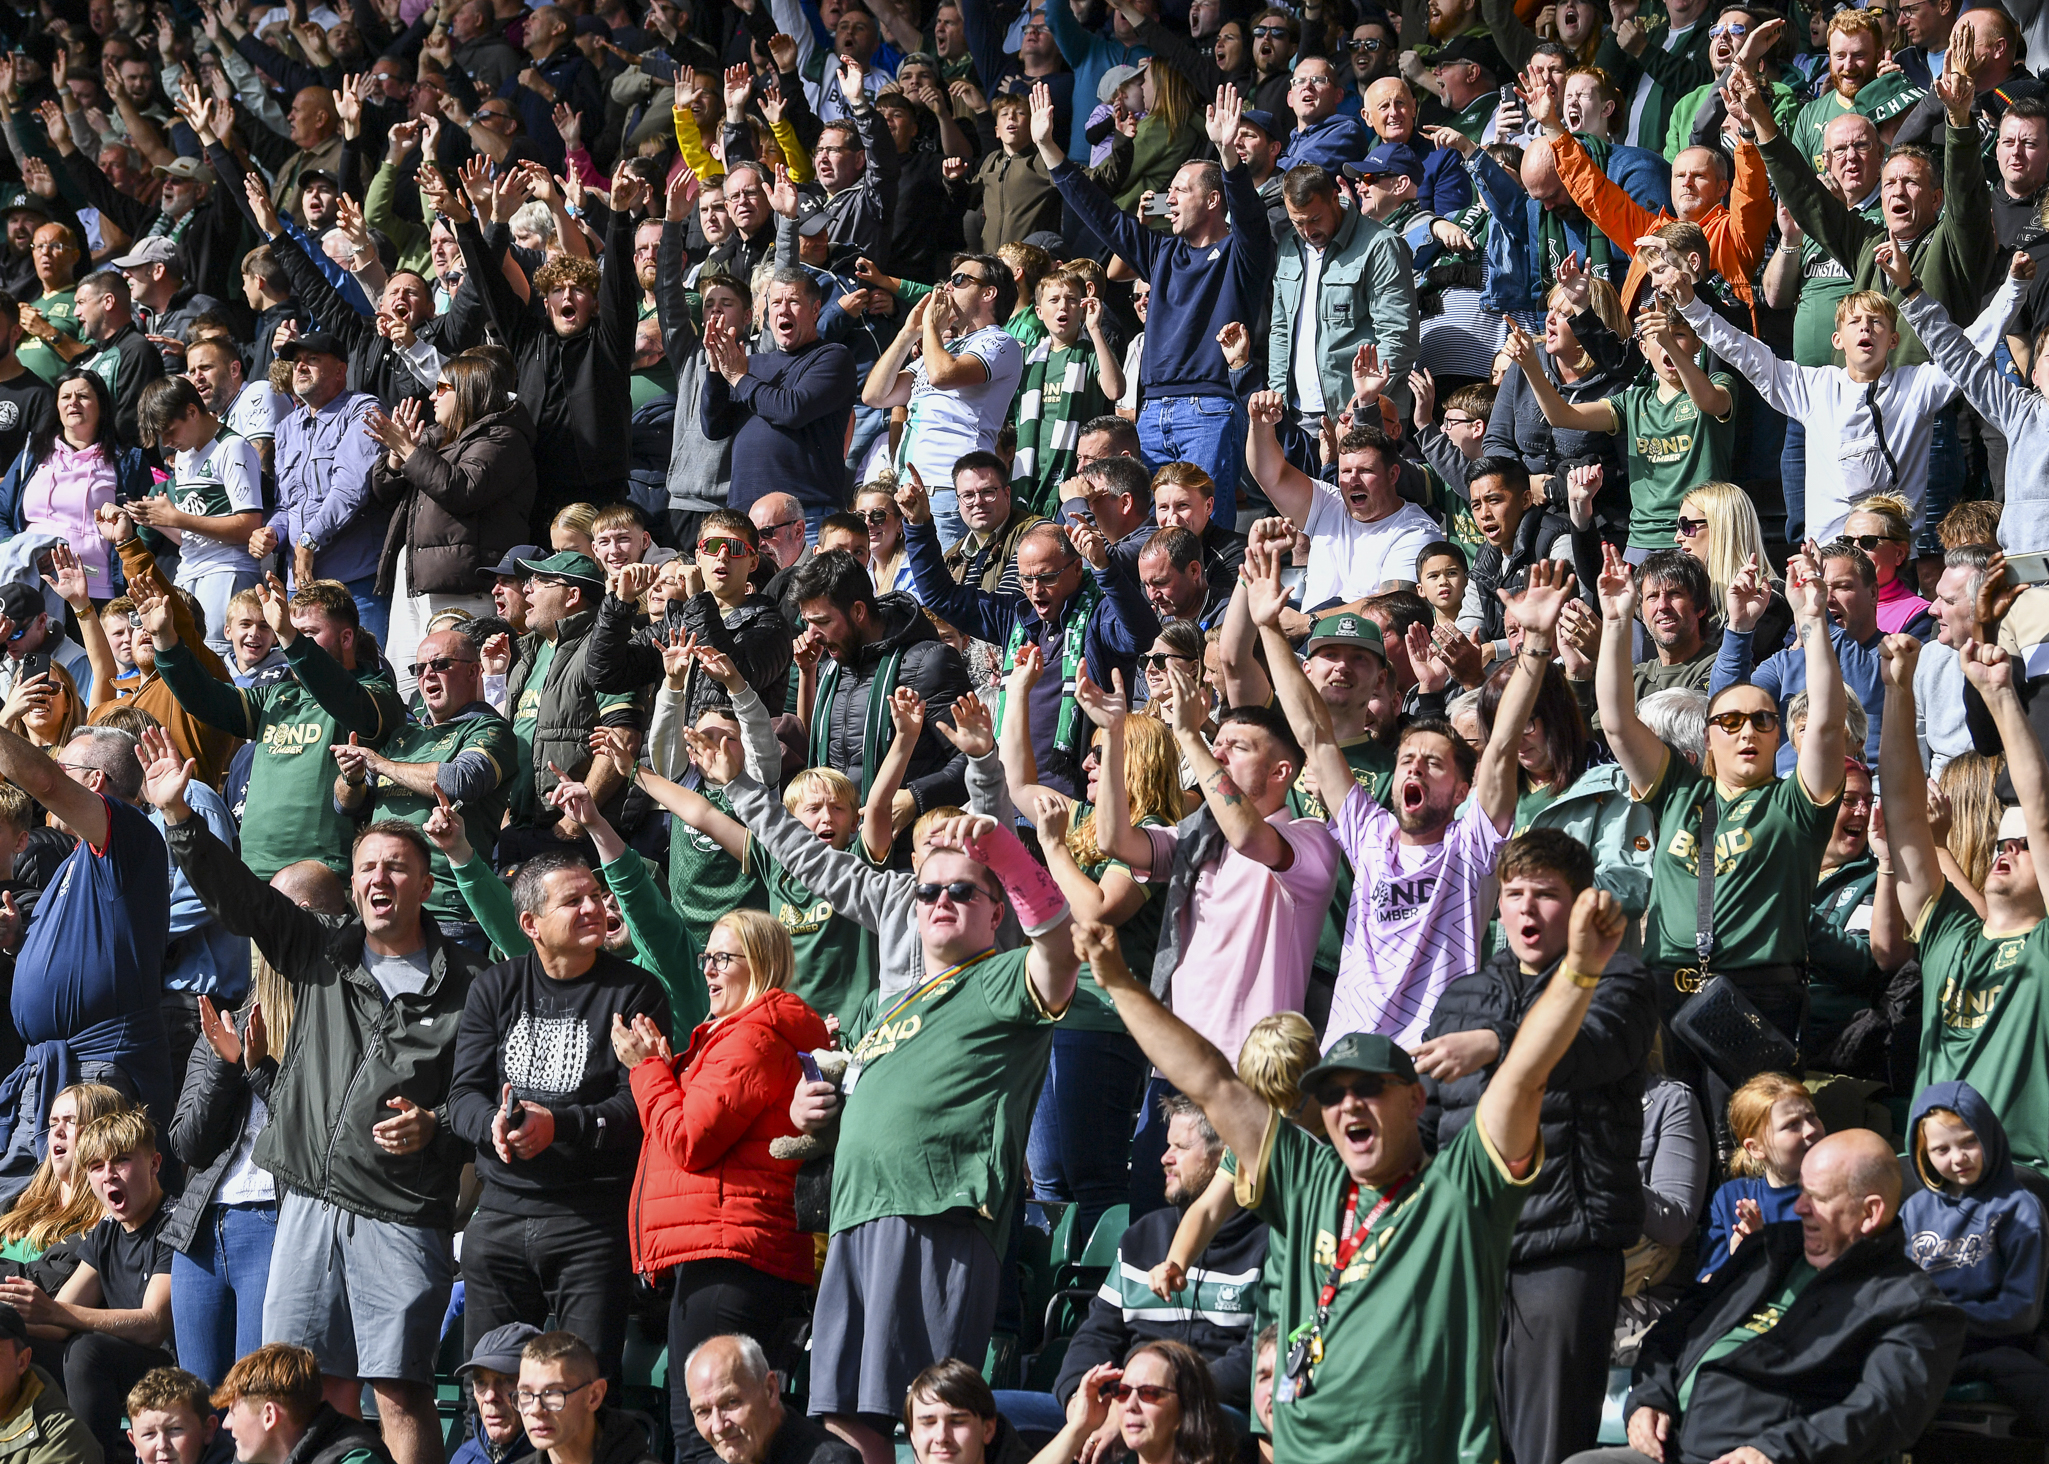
1032	731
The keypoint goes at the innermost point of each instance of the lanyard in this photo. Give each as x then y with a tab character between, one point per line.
917	993
1350	1240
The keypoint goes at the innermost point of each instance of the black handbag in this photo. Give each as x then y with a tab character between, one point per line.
1717	1020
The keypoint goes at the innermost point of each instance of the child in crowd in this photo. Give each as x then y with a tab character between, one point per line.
254	655
1451	447
171	1420
1978	1234
1441	572
1277	1051
1066	383
1773	1119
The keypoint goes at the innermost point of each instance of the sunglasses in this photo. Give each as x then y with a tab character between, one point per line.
1869	542
731	548
1688	528
1369	45
1330	1092
961	277
1157	660
778	528
1716	32
1732	722
441	386
960	891
2011	847
440	666
878	515
1151	1394
1270	32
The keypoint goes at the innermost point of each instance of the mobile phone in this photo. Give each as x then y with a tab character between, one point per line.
2028	569
812	1074
515	1111
1155	207
1508	97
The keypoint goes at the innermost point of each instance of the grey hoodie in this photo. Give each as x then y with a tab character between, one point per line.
2019	412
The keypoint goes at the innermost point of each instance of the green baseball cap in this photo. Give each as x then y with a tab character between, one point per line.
1362	1052
1346	628
1886	97
569	565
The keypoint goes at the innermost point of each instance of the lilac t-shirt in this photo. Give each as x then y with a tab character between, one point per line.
1255	931
1414	925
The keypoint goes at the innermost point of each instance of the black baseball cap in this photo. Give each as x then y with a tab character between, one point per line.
509	567
1477	49
314	343
21	603
498	1350
1362	1052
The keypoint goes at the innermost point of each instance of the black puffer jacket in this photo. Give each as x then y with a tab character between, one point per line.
333	1436
937	775
625	658
1854	1370
213	1105
458	506
1590	1193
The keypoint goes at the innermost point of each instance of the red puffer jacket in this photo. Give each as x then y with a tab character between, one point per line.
707	1187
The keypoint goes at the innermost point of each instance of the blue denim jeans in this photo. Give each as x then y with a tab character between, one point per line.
1148	1181
1079	1149
1946	471
946	519
1206	431
1793	479
217	1288
373	610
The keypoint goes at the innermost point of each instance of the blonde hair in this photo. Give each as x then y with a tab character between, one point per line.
1174	96
1184	475
1971	783
1277	1051
771	959
1895	510
837	785
1152	785
931	818
250	599
578	518
1605	301
1750	1112
1734	533
1869	301
125	1131
41	1215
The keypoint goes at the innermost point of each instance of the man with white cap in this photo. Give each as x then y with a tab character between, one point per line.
1984	1013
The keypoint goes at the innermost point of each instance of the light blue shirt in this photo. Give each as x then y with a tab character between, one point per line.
323	486
202	957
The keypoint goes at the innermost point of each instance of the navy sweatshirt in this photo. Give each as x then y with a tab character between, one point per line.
1196	292
788	420
1982	1248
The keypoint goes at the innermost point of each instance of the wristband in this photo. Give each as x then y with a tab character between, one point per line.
1032	893
1579	978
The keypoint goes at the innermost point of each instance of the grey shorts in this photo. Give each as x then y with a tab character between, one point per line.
364	1296
897	1295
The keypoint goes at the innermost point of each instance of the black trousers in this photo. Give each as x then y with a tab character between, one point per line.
98	1372
713	1298
1551	1374
521	1268
2019	1378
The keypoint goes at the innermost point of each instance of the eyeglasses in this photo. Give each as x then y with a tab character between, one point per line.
960	891
1869	542
442	386
1157	660
1462	420
730	548
961	277
720	961
1041	579
1329	1093
1732	722
494	116
440	666
1688	528
1716	32
548	1400
1270	32
1844	149
1150	1394
1369	45
1315	78
878	515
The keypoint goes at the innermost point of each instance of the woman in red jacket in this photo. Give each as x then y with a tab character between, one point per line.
709	1199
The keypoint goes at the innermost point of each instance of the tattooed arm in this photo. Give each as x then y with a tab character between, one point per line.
1234	808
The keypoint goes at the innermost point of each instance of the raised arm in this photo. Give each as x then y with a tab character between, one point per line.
1991	671
1635	746
1821	756
1300	703
1515	1094
1033	897
1536	608
1917	871
1596	416
1286	486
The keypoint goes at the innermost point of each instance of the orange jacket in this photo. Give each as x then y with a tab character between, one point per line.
1735	230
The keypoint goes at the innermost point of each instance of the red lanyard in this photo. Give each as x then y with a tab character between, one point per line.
1350	1240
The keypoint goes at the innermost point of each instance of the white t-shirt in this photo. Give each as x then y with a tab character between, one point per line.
255	411
222	478
945	425
1414	925
1348	559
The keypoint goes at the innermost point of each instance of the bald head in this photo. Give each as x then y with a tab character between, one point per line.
780	520
1540	175
1849	1188
311	885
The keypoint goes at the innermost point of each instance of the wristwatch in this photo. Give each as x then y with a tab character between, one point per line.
306	541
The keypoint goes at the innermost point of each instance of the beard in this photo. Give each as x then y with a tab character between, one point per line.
1446	20
1432	813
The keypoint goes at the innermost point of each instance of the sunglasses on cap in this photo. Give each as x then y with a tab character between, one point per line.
1732	722
440	665
731	548
960	891
1330	1092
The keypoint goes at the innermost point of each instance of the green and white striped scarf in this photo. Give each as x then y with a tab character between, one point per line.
1056	395
1073	651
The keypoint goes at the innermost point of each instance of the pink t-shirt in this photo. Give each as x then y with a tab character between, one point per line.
1255	931
1414	926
